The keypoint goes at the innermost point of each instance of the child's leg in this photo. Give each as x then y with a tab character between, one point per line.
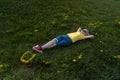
50	44
58	41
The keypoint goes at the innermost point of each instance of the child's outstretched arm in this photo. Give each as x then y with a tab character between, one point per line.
89	36
79	29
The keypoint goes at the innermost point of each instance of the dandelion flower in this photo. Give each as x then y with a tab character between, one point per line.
74	60
91	24
119	22
1	65
101	51
117	56
47	63
80	56
36	30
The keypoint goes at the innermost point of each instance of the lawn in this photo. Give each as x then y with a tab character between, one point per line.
25	23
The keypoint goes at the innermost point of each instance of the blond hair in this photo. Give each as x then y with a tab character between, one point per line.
86	31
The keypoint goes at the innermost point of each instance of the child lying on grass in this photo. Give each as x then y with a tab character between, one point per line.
65	39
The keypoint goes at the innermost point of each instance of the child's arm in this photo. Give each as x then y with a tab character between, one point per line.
89	36
79	29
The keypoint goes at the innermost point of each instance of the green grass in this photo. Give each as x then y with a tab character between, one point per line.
20	18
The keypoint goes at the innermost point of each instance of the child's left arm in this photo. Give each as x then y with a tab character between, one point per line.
89	36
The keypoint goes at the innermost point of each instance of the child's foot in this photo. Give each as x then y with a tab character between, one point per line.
37	48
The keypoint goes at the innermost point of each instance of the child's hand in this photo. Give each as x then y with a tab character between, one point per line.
92	36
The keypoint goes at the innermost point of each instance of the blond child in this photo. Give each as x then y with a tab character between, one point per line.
63	40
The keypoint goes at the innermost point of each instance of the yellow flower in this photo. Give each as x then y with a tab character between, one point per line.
74	60
80	56
101	51
117	56
119	23
36	30
91	24
1	65
47	63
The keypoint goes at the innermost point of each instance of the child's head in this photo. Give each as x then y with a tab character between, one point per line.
85	32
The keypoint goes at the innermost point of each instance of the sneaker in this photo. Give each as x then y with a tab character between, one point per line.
37	48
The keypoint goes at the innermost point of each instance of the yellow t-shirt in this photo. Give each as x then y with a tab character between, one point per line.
75	36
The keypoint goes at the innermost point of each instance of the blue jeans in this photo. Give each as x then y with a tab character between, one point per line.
63	40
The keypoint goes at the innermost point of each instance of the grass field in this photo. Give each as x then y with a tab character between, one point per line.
25	23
